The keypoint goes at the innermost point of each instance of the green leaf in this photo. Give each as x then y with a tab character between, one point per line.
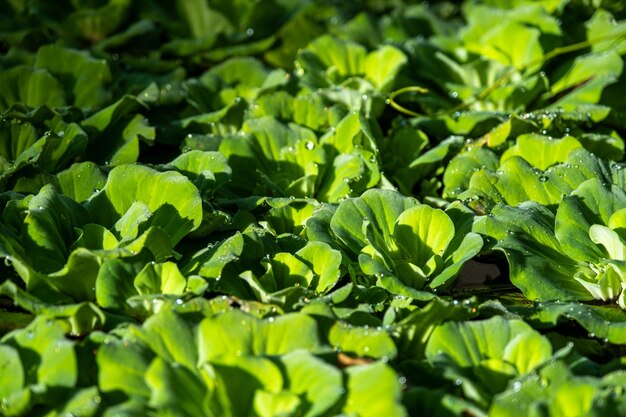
617	221
538	264
362	341
161	278
602	24
285	270
245	76
47	233
268	404
76	278
499	134
354	132
85	402
555	390
176	389
12	375
134	219
403	145
370	381
613	245
240	380
608	146
83	78
414	330
604	322
44	232
292	217
16	138
423	235
487	353
324	262
114	283
492	31
236	333
468	343
542	151
81	180
47	155
122	366
318	384
591	203
381	208
154	239
171	338
383	65
32	87
82	317
211	261
115	132
283	159
174	202
345	166
47	357
455	177
456	257
343	57
208	170
91	21
294	35
426	164
516	181
602	69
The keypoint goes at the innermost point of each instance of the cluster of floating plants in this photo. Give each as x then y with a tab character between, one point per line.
312	208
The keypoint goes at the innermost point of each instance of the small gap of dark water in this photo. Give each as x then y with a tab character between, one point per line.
484	271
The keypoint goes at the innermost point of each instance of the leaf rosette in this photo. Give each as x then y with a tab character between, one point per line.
410	248
577	254
484	355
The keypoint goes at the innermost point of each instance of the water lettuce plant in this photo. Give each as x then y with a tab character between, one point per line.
312	208
406	246
583	236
